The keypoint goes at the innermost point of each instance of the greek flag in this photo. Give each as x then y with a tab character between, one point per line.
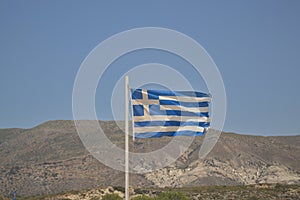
158	113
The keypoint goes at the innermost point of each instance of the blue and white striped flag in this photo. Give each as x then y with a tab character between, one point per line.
158	113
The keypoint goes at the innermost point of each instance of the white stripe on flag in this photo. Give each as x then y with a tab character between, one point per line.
185	98
144	101
146	129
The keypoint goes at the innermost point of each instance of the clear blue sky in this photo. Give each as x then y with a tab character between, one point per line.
255	44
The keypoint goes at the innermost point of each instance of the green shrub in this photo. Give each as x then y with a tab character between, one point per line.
140	191
171	196
142	197
111	197
119	188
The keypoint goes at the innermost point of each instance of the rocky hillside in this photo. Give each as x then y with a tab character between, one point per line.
50	158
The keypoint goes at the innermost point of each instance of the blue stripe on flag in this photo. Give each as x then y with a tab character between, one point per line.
185	104
171	123
155	110
153	94
161	134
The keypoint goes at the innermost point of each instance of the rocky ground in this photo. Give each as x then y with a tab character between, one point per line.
50	158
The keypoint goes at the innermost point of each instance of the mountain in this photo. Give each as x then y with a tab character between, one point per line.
50	158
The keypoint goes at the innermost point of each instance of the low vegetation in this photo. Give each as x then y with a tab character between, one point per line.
111	197
169	195
249	192
142	197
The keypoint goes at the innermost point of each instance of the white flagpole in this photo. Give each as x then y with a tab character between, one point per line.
126	140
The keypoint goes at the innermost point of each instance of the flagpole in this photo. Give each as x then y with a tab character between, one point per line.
126	140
